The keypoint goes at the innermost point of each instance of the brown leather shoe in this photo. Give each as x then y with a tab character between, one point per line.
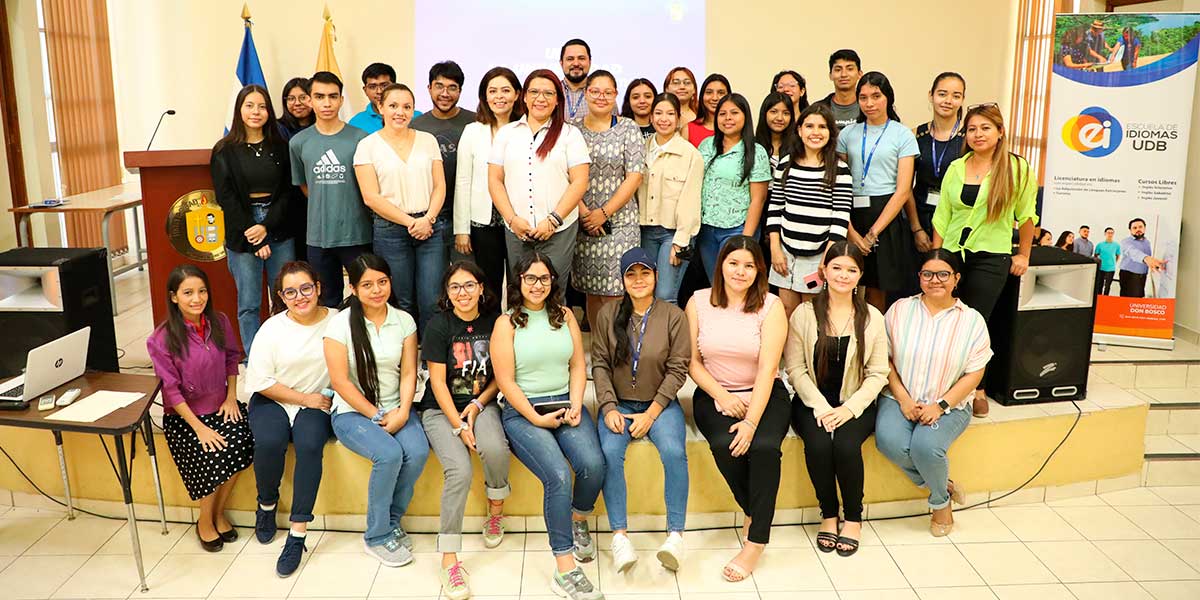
979	405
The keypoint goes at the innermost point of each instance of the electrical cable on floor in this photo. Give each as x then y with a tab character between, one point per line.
1070	430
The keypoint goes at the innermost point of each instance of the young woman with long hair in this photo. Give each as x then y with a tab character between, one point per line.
640	356
608	211
537	354
881	153
715	87
537	175
740	405
836	358
297	109
460	413
251	179
399	171
669	199
934	373
1066	241
194	354
681	83
290	401
478	226
808	208
371	354
639	98
792	84
777	122
736	173
941	142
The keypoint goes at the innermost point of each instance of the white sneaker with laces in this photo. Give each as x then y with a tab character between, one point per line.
670	554
623	555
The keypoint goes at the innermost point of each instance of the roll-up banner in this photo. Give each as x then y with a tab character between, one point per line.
1117	153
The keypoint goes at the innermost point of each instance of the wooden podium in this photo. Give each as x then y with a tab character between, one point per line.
167	175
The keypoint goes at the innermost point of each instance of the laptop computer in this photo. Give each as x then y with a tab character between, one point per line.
49	366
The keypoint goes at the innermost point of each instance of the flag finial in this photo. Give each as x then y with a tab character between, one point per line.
326	14
245	12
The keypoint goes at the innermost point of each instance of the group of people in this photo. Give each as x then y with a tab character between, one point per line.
1133	257
551	185
1086	48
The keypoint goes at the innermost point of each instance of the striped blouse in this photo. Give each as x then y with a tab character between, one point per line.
932	352
804	211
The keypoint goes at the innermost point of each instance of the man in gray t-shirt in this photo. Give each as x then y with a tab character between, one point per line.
339	224
845	68
446	123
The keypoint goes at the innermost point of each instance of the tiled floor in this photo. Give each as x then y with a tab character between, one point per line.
1133	543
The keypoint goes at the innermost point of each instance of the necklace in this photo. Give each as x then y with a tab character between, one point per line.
257	148
842	333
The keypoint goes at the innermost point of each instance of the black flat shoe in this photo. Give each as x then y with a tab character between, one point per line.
210	545
851	545
230	536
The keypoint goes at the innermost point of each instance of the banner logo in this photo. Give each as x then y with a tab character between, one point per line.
1094	133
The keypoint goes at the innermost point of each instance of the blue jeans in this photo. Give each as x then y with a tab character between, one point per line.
668	435
272	432
657	242
709	242
552	455
247	271
396	462
920	450
417	266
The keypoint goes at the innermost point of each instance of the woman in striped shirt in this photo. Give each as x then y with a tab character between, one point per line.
939	349
808	207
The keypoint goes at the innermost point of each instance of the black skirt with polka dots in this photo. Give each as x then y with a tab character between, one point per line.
202	472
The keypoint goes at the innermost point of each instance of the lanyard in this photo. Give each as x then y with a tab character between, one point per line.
863	154
637	349
937	161
574	107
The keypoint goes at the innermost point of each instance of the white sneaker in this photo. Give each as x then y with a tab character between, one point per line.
623	555
670	554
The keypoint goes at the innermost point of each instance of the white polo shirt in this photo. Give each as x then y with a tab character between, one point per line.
407	184
536	185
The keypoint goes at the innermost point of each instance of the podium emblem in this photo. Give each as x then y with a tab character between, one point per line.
196	226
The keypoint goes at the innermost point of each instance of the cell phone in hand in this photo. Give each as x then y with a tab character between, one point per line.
545	408
813	280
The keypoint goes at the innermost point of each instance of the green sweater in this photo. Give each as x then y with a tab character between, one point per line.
952	216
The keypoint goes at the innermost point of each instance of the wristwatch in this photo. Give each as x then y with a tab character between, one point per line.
378	418
461	428
942	404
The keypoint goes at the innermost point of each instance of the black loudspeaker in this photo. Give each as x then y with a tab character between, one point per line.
46	293
1041	330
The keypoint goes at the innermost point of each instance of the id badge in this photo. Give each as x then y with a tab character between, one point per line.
932	198
862	202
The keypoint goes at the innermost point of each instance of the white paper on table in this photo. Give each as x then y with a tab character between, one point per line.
95	406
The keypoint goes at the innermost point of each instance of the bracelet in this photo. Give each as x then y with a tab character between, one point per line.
604	212
554	218
477	404
752	423
919	230
508	222
461	428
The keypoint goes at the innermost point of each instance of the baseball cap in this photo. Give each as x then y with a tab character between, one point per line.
637	256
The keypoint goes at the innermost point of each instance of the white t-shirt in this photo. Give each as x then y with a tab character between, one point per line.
536	185
290	354
407	184
388	345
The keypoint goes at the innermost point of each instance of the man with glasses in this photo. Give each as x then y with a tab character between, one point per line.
446	123
575	57
375	78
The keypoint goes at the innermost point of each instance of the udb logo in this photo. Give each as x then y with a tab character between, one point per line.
1095	132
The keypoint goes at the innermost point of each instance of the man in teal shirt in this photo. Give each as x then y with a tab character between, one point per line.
1108	252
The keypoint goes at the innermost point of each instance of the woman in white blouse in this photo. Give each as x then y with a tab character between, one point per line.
287	378
399	171
537	174
478	226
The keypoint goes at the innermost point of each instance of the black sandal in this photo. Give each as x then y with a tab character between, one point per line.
850	542
824	537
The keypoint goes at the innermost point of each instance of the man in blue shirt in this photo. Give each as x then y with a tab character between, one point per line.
375	77
1136	261
1108	252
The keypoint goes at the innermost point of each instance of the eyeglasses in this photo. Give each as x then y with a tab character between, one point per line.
457	288
452	88
984	105
532	280
301	99
547	94
598	93
787	86
682	82
375	87
942	276
305	290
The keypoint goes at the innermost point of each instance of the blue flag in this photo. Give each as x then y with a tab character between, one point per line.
248	69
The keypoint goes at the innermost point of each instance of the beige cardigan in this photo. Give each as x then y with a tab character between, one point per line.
857	392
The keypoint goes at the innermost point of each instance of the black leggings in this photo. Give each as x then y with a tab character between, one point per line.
835	461
490	253
983	278
754	476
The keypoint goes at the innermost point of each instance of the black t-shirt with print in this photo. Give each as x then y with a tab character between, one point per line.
463	346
